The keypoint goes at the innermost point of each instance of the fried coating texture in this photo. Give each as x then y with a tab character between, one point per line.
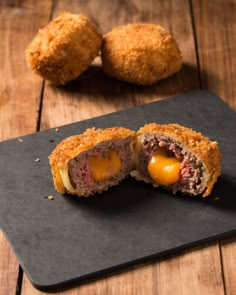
140	53
64	48
201	147
72	146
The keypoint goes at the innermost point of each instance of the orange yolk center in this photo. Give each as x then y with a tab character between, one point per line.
105	166
164	169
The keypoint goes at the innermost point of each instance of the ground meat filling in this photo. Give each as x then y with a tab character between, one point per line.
191	171
80	173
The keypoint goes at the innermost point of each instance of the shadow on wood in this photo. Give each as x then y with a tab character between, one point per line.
95	83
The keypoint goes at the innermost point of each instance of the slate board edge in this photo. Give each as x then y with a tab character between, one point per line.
188	93
125	266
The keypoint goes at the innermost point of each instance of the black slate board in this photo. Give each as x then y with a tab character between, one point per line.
69	239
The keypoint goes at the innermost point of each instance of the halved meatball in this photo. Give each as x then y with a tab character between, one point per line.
177	158
93	161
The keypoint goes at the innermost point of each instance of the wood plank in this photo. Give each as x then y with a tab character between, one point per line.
215	23
94	94
8	268
19	95
181	275
194	272
217	63
124	283
19	88
228	248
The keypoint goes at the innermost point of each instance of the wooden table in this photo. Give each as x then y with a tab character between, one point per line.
206	33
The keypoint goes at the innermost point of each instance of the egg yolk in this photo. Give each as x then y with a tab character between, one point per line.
164	169
105	166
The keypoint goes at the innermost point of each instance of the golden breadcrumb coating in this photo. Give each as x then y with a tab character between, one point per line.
72	146
140	53
201	147
64	48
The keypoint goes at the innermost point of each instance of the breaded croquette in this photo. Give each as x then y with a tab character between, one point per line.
177	158
92	161
140	53
64	48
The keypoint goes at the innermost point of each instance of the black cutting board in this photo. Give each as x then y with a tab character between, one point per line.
70	239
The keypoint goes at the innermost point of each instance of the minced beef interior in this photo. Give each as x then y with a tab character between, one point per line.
80	173
191	171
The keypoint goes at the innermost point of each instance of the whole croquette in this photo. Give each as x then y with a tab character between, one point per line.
140	53
64	48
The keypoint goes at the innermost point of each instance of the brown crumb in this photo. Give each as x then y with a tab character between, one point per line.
20	139
37	160
216	198
50	198
56	129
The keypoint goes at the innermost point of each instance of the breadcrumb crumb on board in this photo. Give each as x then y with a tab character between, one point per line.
50	198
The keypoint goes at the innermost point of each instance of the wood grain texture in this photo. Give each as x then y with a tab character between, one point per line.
8	268
93	94
228	248
19	89
215	24
193	272
19	96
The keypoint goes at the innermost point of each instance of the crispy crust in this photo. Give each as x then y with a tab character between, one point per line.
64	48
140	53
200	146
72	146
